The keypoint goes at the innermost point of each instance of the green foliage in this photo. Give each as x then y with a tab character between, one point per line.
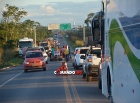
10	44
11	30
13	62
75	38
1	52
7	55
88	19
79	43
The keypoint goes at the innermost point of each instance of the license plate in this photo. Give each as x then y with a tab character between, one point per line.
34	65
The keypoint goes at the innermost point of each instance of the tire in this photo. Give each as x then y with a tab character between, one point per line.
47	62
73	64
44	69
25	71
99	83
76	67
88	78
99	80
84	75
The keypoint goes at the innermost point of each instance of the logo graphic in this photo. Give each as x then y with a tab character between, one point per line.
63	70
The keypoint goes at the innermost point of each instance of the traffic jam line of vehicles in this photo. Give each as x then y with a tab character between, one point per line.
89	59
115	63
37	57
34	57
114	57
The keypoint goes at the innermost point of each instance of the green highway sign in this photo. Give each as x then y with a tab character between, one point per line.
65	26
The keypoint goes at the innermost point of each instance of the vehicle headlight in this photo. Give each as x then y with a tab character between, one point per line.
26	62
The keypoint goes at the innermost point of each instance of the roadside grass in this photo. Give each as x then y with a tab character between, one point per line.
72	44
13	62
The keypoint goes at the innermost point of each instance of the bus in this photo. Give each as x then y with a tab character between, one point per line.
24	43
120	64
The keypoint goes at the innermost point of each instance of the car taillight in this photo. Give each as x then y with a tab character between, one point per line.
102	58
89	60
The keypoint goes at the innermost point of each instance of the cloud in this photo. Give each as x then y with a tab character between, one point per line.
61	12
48	9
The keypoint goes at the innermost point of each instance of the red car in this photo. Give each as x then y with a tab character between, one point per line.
34	60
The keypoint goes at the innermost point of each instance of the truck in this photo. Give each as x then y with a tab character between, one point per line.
91	63
45	45
23	44
119	36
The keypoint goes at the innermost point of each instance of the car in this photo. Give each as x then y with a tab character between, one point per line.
44	53
56	35
34	60
91	63
40	48
77	61
45	45
67	36
33	49
58	44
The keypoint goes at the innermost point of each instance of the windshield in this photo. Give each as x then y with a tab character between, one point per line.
83	51
25	44
33	54
96	52
43	44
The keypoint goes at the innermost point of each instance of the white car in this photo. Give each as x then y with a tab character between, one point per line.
77	61
58	44
44	53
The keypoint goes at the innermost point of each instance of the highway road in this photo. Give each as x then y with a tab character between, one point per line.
40	86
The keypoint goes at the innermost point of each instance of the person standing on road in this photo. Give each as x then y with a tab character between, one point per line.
67	54
52	53
63	52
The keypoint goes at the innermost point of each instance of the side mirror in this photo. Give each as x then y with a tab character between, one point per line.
82	57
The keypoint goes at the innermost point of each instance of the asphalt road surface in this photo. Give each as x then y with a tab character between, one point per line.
40	86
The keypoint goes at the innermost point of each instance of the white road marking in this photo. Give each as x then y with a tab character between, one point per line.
74	91
10	79
67	91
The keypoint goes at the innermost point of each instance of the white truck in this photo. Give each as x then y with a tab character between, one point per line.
91	63
120	39
23	44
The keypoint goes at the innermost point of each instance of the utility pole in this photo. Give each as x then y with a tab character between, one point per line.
35	34
84	34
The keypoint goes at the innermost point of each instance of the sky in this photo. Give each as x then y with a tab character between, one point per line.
55	11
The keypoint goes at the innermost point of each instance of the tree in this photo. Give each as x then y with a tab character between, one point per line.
88	20
2	32
12	15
